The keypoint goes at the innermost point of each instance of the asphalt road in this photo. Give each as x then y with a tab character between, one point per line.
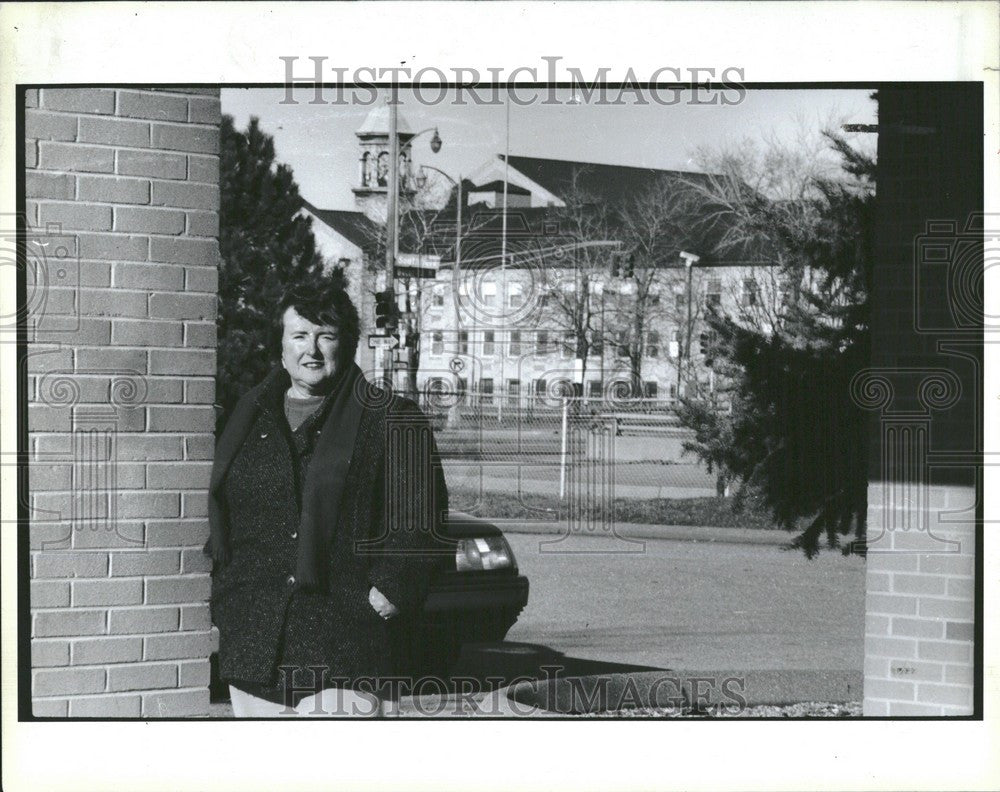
683	605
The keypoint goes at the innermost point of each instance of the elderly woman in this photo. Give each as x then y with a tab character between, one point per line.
325	504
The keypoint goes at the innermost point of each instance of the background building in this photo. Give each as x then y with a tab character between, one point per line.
501	316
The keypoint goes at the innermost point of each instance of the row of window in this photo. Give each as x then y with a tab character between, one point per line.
546	342
540	388
487	296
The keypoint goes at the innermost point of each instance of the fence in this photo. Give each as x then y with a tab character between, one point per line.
533	448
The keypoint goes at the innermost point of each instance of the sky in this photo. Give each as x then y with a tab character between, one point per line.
318	141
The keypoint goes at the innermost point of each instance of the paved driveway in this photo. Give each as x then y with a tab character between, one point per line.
692	605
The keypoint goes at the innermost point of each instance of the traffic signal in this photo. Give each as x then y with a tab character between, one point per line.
622	266
386	312
706	345
630	266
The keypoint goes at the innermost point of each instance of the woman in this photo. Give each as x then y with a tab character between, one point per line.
325	505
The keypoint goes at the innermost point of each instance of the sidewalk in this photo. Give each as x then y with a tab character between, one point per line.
681	533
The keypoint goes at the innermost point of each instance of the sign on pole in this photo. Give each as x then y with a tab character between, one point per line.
416	272
383	341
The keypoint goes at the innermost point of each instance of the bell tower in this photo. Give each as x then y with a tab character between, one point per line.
371	189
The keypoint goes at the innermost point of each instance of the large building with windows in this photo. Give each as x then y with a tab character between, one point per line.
527	308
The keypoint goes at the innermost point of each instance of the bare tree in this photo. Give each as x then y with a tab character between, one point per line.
654	226
579	260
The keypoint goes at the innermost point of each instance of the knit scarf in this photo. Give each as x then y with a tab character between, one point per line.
323	488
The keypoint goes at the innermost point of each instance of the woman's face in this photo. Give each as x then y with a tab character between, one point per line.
308	353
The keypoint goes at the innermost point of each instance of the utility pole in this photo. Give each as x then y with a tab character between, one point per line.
690	259
503	265
392	225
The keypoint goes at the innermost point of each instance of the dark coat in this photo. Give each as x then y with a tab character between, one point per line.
386	536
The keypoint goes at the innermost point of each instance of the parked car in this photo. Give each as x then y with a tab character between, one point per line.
476	595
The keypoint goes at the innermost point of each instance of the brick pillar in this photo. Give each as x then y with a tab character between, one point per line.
122	189
925	391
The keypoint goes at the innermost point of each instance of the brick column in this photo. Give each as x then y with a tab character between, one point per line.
122	189
925	390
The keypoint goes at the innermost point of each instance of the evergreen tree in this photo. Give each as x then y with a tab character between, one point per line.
794	439
265	246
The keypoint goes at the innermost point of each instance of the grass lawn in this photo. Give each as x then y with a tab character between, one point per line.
714	512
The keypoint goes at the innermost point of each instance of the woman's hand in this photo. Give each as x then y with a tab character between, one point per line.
383	607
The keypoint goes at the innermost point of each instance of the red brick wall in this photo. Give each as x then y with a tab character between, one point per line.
122	211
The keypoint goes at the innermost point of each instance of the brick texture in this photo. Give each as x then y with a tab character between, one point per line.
920	609
119	588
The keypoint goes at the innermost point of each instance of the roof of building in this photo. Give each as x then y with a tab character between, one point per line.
496	186
532	230
353	226
611	183
377	122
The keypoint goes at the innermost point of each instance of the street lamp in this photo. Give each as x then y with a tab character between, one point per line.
421	181
392	211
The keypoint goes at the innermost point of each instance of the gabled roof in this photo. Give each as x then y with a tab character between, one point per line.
353	226
611	183
497	187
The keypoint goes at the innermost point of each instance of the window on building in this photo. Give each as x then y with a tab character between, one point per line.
540	386
568	345
542	342
652	344
786	292
488	342
513	387
713	294
595	388
748	292
489	294
463	342
461	388
514	345
679	301
486	390
597	346
515	295
673	390
437	342
437	297
650	389
621	344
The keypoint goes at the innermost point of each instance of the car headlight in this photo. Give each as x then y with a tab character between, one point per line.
491	552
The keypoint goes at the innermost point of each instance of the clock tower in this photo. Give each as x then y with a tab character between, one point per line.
371	189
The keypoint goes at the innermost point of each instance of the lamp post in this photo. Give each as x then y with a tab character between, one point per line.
392	213
457	272
458	219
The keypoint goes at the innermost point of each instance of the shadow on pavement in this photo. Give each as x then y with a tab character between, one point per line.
495	665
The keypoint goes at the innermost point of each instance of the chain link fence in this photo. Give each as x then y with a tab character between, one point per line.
552	453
